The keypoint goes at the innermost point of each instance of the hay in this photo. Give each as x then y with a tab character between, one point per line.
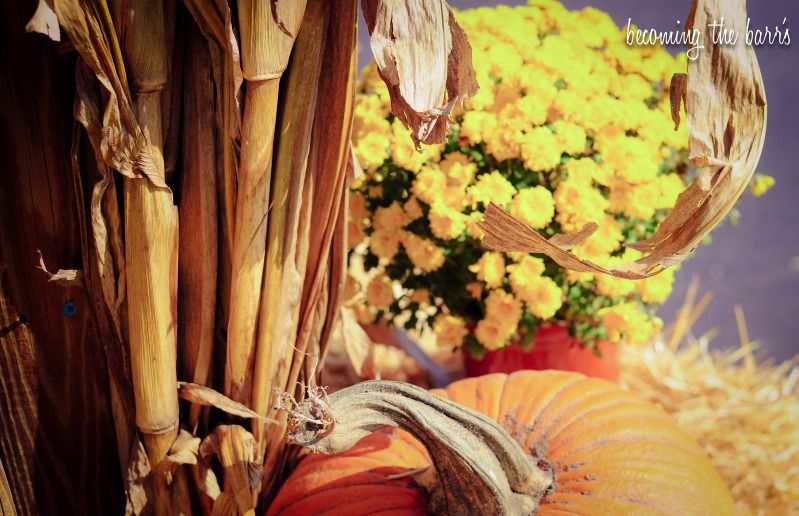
742	410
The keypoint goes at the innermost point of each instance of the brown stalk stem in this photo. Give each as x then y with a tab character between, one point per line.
249	241
151	240
477	463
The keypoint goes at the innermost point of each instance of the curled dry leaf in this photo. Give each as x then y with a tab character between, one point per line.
44	21
137	471
206	396
424	58
116	137
354	340
725	102
235	448
63	277
184	450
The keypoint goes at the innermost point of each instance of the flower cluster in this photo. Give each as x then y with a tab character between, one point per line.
570	126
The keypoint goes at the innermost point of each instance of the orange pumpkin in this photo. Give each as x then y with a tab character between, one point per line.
606	452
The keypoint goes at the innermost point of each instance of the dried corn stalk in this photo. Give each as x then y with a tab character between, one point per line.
267	38
424	58
726	107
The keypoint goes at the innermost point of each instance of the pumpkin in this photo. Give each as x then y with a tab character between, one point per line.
567	445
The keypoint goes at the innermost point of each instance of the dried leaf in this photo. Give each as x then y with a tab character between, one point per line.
726	107
185	449
424	58
236	450
117	138
137	471
354	169
63	277
45	21
207	396
356	343
677	92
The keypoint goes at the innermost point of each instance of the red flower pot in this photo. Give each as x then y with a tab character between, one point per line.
553	348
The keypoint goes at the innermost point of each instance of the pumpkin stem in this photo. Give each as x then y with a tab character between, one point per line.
478	465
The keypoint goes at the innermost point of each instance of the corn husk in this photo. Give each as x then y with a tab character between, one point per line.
742	410
424	58
726	107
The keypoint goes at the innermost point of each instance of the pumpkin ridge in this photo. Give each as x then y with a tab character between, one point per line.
560	441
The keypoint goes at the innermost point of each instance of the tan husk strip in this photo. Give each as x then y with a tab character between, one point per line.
282	283
477	463
198	216
265	53
726	107
425	60
743	411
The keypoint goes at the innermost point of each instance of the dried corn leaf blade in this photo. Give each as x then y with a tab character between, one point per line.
726	107
119	139
424	58
208	397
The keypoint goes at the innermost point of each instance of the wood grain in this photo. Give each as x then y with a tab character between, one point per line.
57	439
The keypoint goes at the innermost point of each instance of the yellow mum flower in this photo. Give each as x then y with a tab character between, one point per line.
522	275
446	223
578	204
542	296
491	187
351	288
475	290
423	253
492	334
412	209
477	124
762	184
371	150
534	206
459	168
364	314
357	207
540	149
472	228
390	219
571	138
429	184
503	308
605	240
380	292
625	322
490	268
355	233
450	330
656	289
421	296
385	244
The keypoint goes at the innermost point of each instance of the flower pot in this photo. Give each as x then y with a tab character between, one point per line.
553	348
